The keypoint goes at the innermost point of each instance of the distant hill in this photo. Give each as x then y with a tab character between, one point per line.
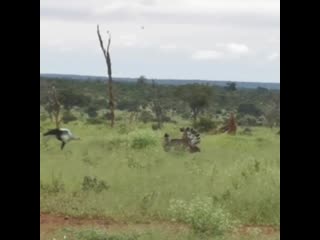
248	85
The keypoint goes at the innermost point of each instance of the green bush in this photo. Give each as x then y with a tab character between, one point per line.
55	187
262	121
248	120
147	201
246	131
142	139
166	119
202	215
98	120
155	126
250	109
91	183
142	142
92	111
118	142
123	128
145	116
204	124
69	117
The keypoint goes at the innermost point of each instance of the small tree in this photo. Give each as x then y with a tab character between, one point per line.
92	111
231	86
197	96
141	80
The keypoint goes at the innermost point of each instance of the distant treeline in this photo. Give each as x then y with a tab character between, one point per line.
189	101
249	85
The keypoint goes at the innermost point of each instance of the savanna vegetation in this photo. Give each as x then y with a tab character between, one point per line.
123	173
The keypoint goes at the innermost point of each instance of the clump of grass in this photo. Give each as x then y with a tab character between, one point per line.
202	215
92	184
147	201
117	142
56	186
123	128
142	139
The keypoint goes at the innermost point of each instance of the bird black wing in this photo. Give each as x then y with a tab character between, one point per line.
51	132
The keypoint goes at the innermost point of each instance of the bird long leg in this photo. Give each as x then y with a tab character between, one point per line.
62	145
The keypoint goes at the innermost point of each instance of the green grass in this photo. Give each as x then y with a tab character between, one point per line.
239	174
150	234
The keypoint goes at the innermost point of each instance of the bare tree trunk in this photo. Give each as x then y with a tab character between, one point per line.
56	106
108	62
157	106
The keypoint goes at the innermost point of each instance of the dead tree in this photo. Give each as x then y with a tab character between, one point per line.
156	106
55	106
108	62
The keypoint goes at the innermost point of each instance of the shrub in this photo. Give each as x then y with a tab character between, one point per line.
69	117
155	126
147	201
145	116
202	214
92	111
250	109
94	121
108	116
142	142
142	139
248	120
262	121
118	142
123	129
204	125
56	186
91	183
166	119
246	131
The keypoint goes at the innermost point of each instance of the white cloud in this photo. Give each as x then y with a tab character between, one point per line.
168	47
234	48
237	48
235	33
128	40
206	55
231	12
273	56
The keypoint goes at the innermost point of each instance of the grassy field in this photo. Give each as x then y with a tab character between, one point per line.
233	181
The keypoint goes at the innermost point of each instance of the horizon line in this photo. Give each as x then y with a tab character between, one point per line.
178	79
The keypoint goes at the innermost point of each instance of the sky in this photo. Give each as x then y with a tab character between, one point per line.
233	40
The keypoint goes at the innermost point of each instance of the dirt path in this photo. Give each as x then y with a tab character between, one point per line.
49	223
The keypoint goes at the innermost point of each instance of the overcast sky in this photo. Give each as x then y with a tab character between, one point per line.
236	40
